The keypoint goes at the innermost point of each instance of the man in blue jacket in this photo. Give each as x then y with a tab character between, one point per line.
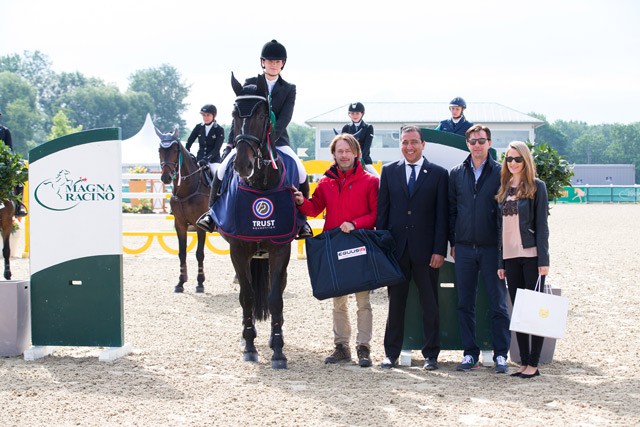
473	235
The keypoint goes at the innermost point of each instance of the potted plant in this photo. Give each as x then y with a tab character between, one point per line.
13	173
137	185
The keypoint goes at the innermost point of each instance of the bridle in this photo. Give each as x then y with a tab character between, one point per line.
251	140
175	168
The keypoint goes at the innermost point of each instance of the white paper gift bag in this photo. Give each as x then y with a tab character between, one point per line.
539	313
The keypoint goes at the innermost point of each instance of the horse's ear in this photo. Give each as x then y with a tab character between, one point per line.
176	128
158	132
235	84
262	85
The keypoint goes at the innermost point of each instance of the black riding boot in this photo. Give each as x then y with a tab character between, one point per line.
21	209
305	231
205	221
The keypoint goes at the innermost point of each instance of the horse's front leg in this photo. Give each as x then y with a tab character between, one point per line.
241	263
202	237
278	262
6	253
181	231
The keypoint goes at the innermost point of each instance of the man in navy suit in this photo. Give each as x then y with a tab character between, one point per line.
413	205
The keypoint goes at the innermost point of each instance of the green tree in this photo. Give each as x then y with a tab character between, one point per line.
302	136
168	92
590	147
549	134
35	67
62	126
105	106
625	145
20	114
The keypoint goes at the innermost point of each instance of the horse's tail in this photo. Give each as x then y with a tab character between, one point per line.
260	283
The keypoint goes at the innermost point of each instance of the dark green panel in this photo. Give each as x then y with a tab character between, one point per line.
72	140
449	325
89	314
449	139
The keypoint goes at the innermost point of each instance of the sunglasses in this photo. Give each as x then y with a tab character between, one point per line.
518	159
480	141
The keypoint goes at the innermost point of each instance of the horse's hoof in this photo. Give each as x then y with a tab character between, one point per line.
7	276
178	289
200	289
250	356
279	364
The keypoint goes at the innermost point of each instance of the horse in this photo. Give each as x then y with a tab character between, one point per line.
189	199
260	263
6	220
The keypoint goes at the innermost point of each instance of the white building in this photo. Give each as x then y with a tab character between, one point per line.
387	118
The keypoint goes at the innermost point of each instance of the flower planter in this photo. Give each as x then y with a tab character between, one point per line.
137	186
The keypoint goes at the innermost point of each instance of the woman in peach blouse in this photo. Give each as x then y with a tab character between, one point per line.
524	239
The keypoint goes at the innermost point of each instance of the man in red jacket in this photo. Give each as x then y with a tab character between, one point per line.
350	196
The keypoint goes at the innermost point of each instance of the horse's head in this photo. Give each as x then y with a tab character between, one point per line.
169	154
250	126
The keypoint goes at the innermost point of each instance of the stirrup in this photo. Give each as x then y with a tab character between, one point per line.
305	232
206	223
20	210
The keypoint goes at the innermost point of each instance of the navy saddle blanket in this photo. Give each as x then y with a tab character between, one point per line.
252	215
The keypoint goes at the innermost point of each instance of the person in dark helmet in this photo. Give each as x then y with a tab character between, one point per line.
282	98
210	137
5	138
363	132
457	124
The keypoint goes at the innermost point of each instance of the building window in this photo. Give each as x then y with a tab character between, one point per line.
386	139
500	139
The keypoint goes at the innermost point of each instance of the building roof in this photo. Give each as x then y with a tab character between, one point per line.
427	112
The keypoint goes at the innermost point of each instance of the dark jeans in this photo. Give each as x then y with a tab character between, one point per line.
522	273
426	280
471	260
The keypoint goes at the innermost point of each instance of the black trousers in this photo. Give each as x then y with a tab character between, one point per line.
426	280
523	273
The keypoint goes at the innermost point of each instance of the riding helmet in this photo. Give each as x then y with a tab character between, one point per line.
458	102
356	107
273	50
209	108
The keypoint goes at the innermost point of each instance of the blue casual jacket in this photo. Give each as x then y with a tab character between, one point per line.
472	206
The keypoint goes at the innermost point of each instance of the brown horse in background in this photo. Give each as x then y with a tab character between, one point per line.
189	199
6	221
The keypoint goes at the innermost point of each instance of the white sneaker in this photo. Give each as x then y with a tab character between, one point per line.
501	365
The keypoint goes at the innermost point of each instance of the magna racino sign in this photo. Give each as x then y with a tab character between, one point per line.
64	191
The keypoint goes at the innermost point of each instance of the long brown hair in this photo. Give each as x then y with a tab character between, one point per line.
527	187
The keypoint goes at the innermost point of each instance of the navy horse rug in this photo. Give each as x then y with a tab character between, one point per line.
253	215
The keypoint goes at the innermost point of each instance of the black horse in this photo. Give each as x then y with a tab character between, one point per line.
260	263
6	220
189	199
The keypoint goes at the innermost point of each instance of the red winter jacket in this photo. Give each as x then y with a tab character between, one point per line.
348	196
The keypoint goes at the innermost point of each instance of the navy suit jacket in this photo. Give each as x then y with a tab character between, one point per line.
417	222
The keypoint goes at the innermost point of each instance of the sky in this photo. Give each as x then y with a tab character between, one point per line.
569	59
